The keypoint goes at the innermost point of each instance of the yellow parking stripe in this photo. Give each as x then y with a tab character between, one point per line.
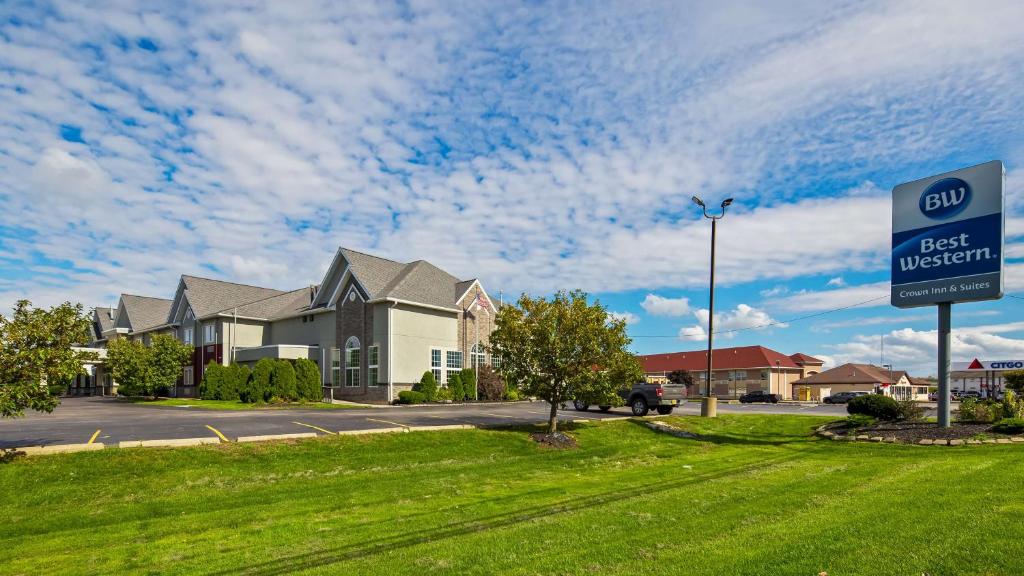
94	435
448	418
314	427
223	438
388	422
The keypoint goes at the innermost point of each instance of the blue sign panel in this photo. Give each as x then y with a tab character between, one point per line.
947	238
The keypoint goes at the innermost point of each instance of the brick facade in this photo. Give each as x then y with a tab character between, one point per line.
354	317
468	318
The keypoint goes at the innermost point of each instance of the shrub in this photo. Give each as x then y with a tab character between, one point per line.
512	394
858	421
455	387
491	385
282	381
257	389
442	394
1012	405
468	376
1009	426
1014	380
875	405
411	397
307	380
909	410
972	410
427	386
214	381
237	377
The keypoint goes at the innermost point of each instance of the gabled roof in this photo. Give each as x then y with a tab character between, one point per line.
372	272
143	312
738	358
102	321
208	297
278	306
423	283
801	359
853	374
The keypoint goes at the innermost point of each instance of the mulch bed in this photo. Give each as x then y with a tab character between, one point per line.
912	432
558	440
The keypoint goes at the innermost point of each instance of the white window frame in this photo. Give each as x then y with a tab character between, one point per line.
373	365
186	336
186	376
437	368
450	366
210	333
335	367
477	356
352	347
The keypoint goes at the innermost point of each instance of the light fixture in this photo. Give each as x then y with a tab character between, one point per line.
698	201
726	202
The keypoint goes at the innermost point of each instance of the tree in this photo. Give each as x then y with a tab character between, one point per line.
1014	380
468	376
455	387
491	385
142	370
681	377
214	381
235	381
282	381
36	355
427	385
563	348
307	380
257	389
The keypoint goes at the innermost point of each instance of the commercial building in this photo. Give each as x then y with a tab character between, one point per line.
735	371
373	325
860	378
983	376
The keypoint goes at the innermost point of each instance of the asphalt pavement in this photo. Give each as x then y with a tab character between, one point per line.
110	421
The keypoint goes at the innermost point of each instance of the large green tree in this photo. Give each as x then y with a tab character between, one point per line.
36	355
141	370
563	348
1014	380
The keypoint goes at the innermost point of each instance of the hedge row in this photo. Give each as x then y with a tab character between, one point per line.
269	380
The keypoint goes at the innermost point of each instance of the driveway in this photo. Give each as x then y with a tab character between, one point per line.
108	421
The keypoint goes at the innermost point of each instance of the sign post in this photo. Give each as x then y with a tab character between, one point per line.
947	247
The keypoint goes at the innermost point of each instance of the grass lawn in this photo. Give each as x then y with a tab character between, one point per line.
236	405
761	496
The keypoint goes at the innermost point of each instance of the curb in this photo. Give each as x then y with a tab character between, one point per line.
59	449
372	431
820	431
170	443
440	427
277	437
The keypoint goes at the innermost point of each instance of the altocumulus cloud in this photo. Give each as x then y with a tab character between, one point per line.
541	147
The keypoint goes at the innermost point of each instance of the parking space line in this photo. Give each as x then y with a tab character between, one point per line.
222	437
325	431
448	418
500	415
93	438
388	422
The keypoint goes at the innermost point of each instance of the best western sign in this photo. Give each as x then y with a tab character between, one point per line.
947	237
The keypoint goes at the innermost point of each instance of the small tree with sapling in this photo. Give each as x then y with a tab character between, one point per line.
455	387
142	370
427	386
307	380
282	381
563	348
257	388
468	377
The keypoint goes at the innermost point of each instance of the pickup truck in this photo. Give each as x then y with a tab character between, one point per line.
642	397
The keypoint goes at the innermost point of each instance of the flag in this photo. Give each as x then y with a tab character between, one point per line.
480	300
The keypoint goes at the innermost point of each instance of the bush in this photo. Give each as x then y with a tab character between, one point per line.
491	385
468	376
237	377
512	394
1012	405
455	387
411	397
442	395
427	386
1009	426
257	388
858	421
307	380
909	410
984	411
282	381
874	405
214	381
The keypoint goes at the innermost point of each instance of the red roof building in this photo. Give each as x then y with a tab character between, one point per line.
736	371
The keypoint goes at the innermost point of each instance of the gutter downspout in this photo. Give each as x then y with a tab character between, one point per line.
234	332
391	374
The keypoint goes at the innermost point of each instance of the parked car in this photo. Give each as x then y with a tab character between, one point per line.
934	396
970	394
760	396
642	397
843	397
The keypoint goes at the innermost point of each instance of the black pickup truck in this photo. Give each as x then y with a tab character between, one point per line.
642	397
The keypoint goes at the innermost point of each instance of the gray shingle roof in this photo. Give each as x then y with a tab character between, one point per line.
102	320
145	312
208	297
373	273
279	306
423	283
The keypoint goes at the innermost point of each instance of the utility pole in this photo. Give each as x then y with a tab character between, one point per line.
709	407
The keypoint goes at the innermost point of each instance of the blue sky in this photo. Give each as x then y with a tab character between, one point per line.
536	146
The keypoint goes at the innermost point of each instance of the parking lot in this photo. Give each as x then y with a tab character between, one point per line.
109	421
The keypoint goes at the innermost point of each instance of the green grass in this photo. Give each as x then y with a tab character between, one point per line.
236	405
759	496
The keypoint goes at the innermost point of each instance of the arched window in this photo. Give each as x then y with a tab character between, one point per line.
477	356
352	362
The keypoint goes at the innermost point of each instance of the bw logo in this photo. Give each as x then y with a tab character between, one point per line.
945	198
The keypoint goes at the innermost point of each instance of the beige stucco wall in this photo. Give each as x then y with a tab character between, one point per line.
318	332
414	332
380	337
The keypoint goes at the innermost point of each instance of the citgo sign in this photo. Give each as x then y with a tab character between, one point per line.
947	237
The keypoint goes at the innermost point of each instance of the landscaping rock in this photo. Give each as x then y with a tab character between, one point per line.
1017	439
974	441
939	442
863	437
989	441
956	442
557	440
1002	441
672	430
876	438
925	441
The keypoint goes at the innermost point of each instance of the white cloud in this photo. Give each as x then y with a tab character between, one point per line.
660	306
629	317
838	282
866	295
743	317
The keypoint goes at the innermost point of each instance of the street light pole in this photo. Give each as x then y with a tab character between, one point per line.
709	405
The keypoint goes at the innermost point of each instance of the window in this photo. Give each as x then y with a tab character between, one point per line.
495	362
186	336
741	374
186	377
372	371
453	362
352	362
335	367
435	363
477	356
210	334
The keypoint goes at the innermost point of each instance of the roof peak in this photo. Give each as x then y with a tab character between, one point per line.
183	276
